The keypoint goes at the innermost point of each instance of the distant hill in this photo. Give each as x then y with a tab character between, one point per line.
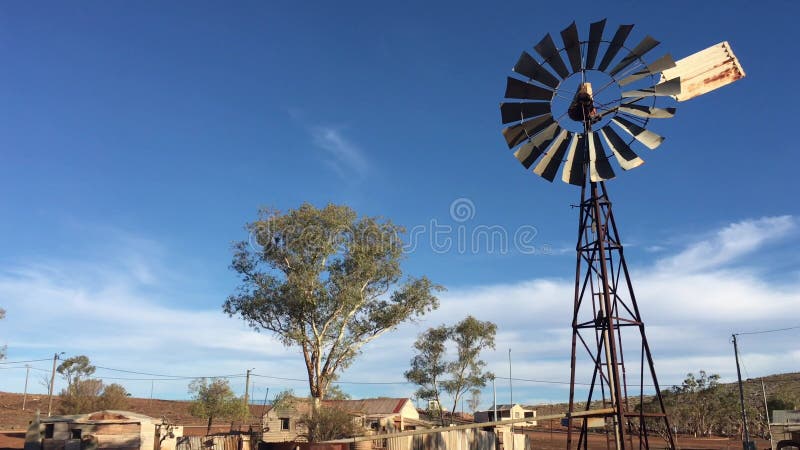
784	385
721	408
12	417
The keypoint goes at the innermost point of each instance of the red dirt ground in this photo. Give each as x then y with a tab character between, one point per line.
13	422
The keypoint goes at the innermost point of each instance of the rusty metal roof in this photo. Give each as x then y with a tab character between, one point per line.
371	406
105	416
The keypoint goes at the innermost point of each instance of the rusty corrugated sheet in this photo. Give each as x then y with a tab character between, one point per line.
705	71
371	406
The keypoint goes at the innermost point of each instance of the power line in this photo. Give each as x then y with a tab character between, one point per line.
333	382
24	367
169	379
26	361
164	377
769	331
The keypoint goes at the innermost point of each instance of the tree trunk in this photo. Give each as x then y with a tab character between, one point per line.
316	404
208	428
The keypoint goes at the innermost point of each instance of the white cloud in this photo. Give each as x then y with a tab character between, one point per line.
347	159
729	243
118	310
691	302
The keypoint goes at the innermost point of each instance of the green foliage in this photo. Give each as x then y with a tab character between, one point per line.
81	396
471	337
702	406
779	404
215	400
114	396
331	423
474	400
335	392
75	368
89	395
284	400
429	366
326	281
84	394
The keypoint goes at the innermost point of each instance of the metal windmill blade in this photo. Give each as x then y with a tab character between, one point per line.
615	46
513	112
572	45
519	89
529	67
546	48
530	151
639	51
660	65
552	159
647	111
667	88
519	133
648	138
574	170
600	169
626	158
593	44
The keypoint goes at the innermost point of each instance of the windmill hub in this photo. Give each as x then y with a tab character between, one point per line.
582	107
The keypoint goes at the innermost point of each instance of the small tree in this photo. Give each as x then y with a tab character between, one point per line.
75	368
474	400
330	423
471	337
429	364
284	400
89	395
215	400
335	392
325	281
114	396
84	394
80	396
44	381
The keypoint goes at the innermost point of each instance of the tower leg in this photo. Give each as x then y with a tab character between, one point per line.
605	310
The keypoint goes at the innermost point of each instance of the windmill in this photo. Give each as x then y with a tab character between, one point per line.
579	106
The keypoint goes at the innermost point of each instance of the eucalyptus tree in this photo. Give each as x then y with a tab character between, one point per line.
435	373
325	281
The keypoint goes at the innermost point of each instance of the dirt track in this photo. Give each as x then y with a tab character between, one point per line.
557	440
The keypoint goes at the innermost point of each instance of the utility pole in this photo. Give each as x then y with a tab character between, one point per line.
746	445
511	400
247	387
494	401
510	383
264	409
52	380
25	392
766	409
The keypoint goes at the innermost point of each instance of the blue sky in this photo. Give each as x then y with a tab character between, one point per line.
139	138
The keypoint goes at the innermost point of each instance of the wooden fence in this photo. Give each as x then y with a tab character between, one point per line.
229	442
471	439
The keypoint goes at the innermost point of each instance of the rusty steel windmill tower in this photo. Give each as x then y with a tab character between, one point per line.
579	106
